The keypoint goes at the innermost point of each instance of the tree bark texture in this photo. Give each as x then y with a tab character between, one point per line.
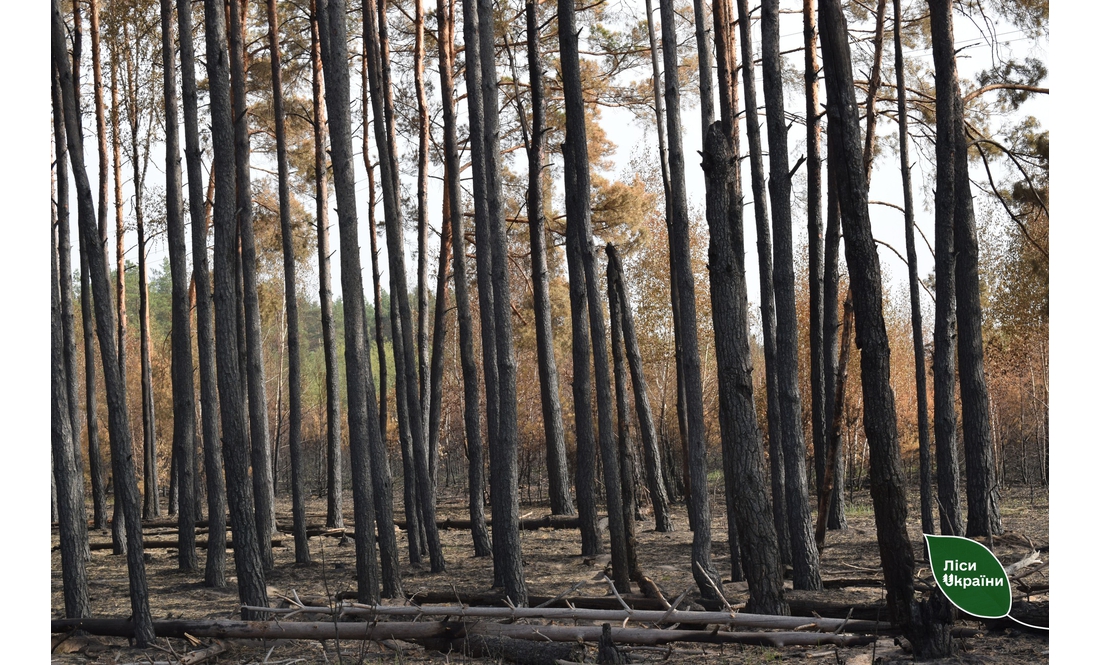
776	448
204	316
816	247
831	326
260	432
183	367
404	351
126	496
742	448
807	574
247	558
294	379
927	520
983	513
929	636
362	418
470	390
561	502
334	468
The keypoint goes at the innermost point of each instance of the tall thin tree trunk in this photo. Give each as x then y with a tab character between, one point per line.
423	136
743	454
927	520
616	305
377	47
334	513
118	421
297	483
818	385
503	449
576	206
204	316
471	417
561	502
983	514
706	576
96	467
767	303
259	428
72	522
247	558
807	574
183	367
362	416
944	335
922	622
652	456
118	518
834	399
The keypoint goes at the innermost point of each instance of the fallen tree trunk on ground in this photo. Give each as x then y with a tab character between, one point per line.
529	524
447	633
738	619
165	543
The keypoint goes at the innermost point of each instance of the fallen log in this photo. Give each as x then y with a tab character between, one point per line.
496	599
165	543
528	524
434	631
620	616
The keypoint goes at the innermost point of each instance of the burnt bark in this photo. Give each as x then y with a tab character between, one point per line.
831	327
927	520
127	496
259	430
247	559
807	574
381	94
816	248
743	455
294	379
334	468
776	448
362	418
929	635
983	514
561	502
183	384
204	316
686	331
655	481
452	172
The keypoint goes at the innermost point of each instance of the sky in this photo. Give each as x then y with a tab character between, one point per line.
1075	361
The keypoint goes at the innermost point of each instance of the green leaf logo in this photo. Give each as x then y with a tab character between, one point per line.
970	576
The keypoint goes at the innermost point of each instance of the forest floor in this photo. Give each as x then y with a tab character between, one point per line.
552	565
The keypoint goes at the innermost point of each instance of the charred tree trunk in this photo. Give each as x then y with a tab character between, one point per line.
654	477
72	522
297	486
423	135
334	476
983	514
579	221
452	172
834	399
743	454
260	433
362	418
686	331
776	448
503	473
183	367
127	496
807	574
377	47
818	385
247	558
944	335
204	317
927	520
96	468
922	622
616	306
561	502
